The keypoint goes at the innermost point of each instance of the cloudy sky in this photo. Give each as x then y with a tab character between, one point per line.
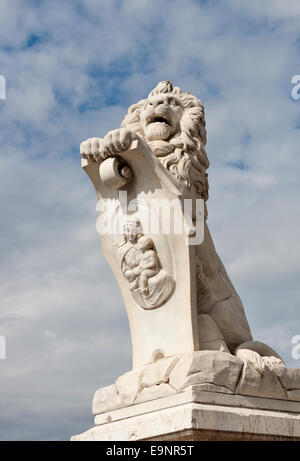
72	68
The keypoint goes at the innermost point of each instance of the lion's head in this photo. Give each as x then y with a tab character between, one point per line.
173	124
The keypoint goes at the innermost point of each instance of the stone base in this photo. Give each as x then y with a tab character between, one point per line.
199	415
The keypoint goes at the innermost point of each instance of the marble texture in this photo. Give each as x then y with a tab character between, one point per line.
199	415
211	371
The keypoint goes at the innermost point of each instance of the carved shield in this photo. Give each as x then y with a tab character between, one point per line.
139	222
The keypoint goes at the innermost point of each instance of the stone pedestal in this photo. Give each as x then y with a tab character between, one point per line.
204	395
199	415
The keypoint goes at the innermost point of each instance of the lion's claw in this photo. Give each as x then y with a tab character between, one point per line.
115	142
91	149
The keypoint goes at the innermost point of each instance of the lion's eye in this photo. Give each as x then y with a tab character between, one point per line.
173	102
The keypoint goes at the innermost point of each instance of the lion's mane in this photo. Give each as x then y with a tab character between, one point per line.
187	160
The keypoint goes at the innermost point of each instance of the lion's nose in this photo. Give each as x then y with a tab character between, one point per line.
157	102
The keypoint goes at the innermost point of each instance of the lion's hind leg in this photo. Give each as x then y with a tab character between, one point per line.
260	355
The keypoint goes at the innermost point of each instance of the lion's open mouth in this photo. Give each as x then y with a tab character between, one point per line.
157	119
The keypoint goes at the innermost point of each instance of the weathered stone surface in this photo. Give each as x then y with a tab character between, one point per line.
168	417
105	399
205	378
128	386
289	378
158	372
210	337
218	368
294	395
208	387
155	392
254	383
210	371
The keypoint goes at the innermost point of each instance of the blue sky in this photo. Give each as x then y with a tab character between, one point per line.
72	68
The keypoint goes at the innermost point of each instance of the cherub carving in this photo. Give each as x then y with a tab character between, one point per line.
140	266
148	265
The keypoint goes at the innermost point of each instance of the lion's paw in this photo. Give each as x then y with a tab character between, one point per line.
273	363
259	362
253	357
92	149
117	141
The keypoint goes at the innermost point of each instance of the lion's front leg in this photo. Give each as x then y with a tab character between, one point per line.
113	143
